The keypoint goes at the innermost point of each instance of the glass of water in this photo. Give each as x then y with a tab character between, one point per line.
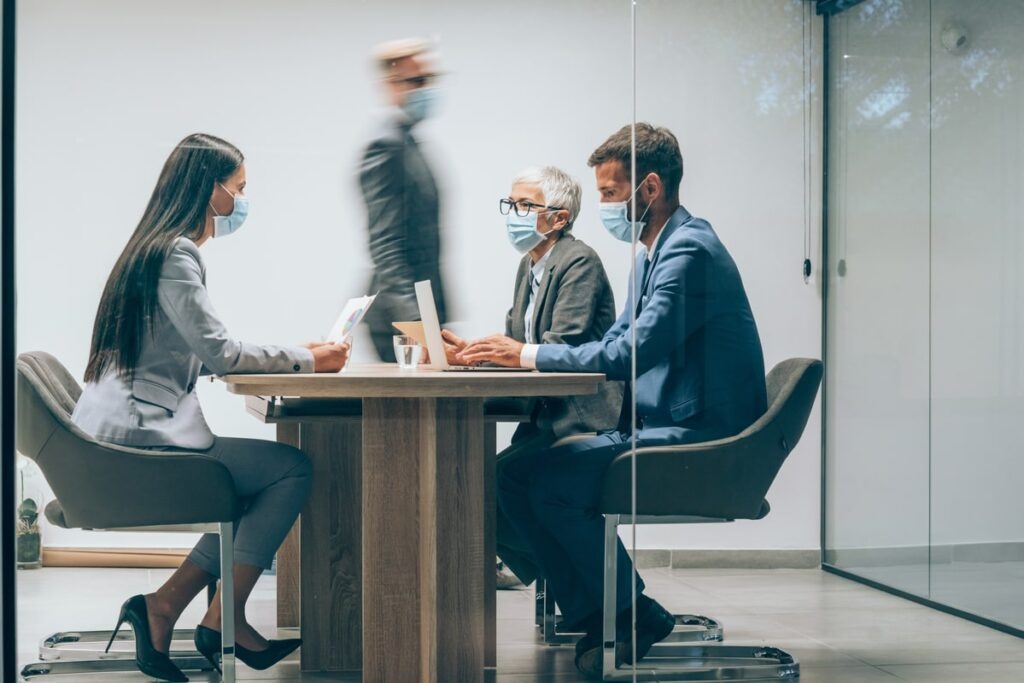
407	351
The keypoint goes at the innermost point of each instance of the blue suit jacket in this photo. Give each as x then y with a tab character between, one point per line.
700	368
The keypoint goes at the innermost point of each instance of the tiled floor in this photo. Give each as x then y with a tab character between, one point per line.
990	589
840	631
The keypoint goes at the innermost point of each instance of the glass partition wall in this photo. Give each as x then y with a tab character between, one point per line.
109	89
735	83
925	302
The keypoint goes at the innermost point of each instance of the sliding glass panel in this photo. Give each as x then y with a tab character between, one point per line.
878	306
977	306
926	367
734	82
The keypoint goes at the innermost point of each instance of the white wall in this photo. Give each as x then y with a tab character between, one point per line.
106	88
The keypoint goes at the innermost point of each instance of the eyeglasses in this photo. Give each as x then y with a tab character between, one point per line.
421	81
522	207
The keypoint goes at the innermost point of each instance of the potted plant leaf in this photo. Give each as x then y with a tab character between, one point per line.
27	540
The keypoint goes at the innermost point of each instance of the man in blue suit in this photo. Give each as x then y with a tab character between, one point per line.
700	376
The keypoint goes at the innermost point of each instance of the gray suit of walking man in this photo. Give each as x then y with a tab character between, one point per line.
401	195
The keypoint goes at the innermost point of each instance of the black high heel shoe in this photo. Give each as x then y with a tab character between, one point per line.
147	658
208	643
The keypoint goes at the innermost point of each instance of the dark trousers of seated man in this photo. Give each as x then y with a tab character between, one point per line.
550	497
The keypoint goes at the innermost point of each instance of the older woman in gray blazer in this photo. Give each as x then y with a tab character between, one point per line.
561	296
156	332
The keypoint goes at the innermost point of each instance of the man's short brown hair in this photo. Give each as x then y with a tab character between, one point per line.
657	151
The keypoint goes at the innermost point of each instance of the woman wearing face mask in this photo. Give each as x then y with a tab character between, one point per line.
155	332
561	296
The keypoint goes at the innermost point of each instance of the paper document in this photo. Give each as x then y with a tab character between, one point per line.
351	314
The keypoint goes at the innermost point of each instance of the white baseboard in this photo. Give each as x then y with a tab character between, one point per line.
730	559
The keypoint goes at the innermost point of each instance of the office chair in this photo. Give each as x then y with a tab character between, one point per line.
169	491
716	481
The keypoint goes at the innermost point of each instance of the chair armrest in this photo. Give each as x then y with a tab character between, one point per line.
727	478
104	485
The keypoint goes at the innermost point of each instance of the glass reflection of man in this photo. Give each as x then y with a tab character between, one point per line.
400	193
700	376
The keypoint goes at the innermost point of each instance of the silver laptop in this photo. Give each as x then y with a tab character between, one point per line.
435	343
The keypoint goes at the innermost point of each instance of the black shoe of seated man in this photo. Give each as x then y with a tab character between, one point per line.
589	648
653	624
208	643
588	656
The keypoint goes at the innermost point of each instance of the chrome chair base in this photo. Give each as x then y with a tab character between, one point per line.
674	662
56	647
690	628
58	659
192	661
52	648
709	663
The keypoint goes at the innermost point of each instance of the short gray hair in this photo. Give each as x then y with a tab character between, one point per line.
558	187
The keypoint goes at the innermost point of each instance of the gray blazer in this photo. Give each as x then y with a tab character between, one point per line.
574	305
403	220
158	405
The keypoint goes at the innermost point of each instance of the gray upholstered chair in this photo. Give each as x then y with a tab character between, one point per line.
107	487
717	481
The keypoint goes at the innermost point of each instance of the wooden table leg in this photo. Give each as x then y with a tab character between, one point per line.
423	608
288	569
490	512
331	582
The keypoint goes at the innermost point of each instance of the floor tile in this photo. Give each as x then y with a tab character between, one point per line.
839	630
959	673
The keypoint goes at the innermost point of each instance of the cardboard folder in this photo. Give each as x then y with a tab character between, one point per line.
412	329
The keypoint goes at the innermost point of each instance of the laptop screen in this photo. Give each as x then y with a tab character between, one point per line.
431	325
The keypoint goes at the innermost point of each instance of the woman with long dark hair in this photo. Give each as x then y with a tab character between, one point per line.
155	333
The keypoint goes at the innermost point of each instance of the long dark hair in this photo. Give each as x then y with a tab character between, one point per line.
176	209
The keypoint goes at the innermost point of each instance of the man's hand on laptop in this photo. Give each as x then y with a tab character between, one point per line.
495	349
328	356
453	346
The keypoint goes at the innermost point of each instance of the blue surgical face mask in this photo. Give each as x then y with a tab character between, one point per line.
421	104
616	219
225	225
522	231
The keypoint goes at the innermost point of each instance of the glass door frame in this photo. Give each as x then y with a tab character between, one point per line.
8	601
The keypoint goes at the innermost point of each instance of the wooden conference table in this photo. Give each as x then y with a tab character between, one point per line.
396	556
